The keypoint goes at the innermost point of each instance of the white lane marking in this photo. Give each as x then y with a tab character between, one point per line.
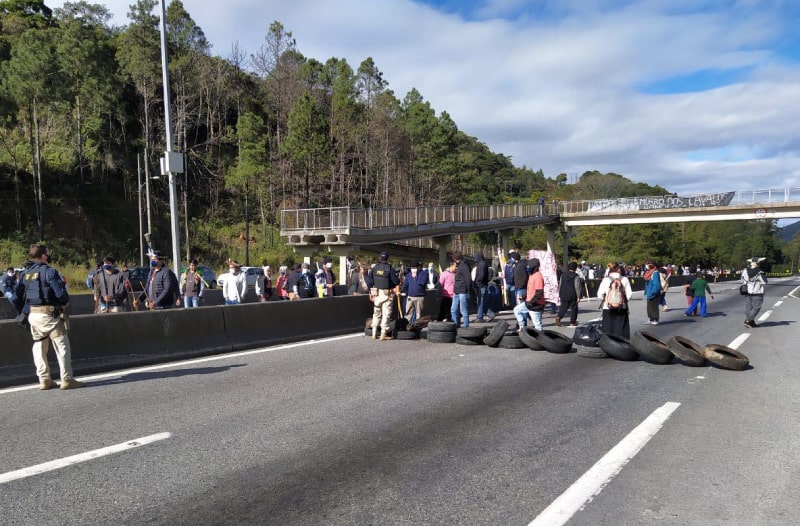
778	304
593	481
739	340
83	457
764	316
216	357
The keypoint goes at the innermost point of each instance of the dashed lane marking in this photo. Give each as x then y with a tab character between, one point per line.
739	340
593	481
83	457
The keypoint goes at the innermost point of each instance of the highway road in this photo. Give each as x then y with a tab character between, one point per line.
348	431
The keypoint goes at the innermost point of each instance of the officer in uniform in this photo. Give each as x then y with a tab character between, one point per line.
382	281
41	291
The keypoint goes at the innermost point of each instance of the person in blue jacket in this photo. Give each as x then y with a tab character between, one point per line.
414	286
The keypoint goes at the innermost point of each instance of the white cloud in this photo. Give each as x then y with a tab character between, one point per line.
562	92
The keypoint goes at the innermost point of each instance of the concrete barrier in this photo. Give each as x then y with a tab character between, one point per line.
112	341
269	323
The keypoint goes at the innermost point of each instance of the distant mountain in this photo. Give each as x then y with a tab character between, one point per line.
788	232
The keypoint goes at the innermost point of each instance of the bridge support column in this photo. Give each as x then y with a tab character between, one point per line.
443	243
306	251
565	255
504	237
551	238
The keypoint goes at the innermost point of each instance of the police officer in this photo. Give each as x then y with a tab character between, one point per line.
382	281
41	290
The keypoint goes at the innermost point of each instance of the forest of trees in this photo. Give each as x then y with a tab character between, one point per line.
263	130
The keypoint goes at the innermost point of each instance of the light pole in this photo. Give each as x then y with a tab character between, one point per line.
172	162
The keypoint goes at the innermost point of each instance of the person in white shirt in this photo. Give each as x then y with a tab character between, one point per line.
234	286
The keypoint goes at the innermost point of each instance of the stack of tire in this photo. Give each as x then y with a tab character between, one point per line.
470	335
442	332
500	336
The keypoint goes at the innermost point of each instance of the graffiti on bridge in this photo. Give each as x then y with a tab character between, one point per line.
667	202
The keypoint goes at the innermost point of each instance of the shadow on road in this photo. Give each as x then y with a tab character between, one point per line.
155	375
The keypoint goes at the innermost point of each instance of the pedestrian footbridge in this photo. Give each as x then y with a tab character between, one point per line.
345	226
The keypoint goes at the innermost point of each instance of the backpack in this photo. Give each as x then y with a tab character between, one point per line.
307	284
615	297
664	283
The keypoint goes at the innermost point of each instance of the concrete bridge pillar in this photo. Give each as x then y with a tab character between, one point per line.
565	254
443	243
551	238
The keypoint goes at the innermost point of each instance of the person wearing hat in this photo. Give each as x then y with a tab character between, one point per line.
382	281
41	293
752	282
234	284
163	291
329	276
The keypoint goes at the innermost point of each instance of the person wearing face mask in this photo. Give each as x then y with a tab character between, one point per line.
10	285
163	291
264	284
328	276
304	287
192	285
234	285
414	286
280	283
433	278
109	290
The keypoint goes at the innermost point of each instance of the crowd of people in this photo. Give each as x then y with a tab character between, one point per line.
40	293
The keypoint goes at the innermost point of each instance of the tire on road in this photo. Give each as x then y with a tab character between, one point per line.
441	336
554	341
442	326
686	351
496	333
651	349
468	341
618	348
471	332
725	357
511	341
407	335
590	352
528	336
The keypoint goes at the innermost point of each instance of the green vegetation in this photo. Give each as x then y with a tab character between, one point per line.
263	130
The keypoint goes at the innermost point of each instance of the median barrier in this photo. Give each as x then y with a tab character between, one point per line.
275	322
16	345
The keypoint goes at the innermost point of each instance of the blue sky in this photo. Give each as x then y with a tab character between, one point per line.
693	95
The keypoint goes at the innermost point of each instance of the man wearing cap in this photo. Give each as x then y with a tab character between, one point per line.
382	281
42	293
234	285
163	291
753	279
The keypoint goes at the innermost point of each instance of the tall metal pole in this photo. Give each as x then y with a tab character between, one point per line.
147	191
173	191
141	234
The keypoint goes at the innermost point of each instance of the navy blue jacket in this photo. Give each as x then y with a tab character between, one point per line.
39	285
415	288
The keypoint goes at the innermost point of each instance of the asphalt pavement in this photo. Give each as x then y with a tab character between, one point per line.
353	431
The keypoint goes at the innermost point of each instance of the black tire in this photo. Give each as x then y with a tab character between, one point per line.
471	332
651	349
441	336
590	352
528	336
468	341
686	351
496	334
423	334
725	357
618	348
442	326
407	335
401	324
554	341
511	341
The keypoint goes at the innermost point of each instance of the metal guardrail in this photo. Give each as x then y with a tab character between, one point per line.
342	219
672	202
